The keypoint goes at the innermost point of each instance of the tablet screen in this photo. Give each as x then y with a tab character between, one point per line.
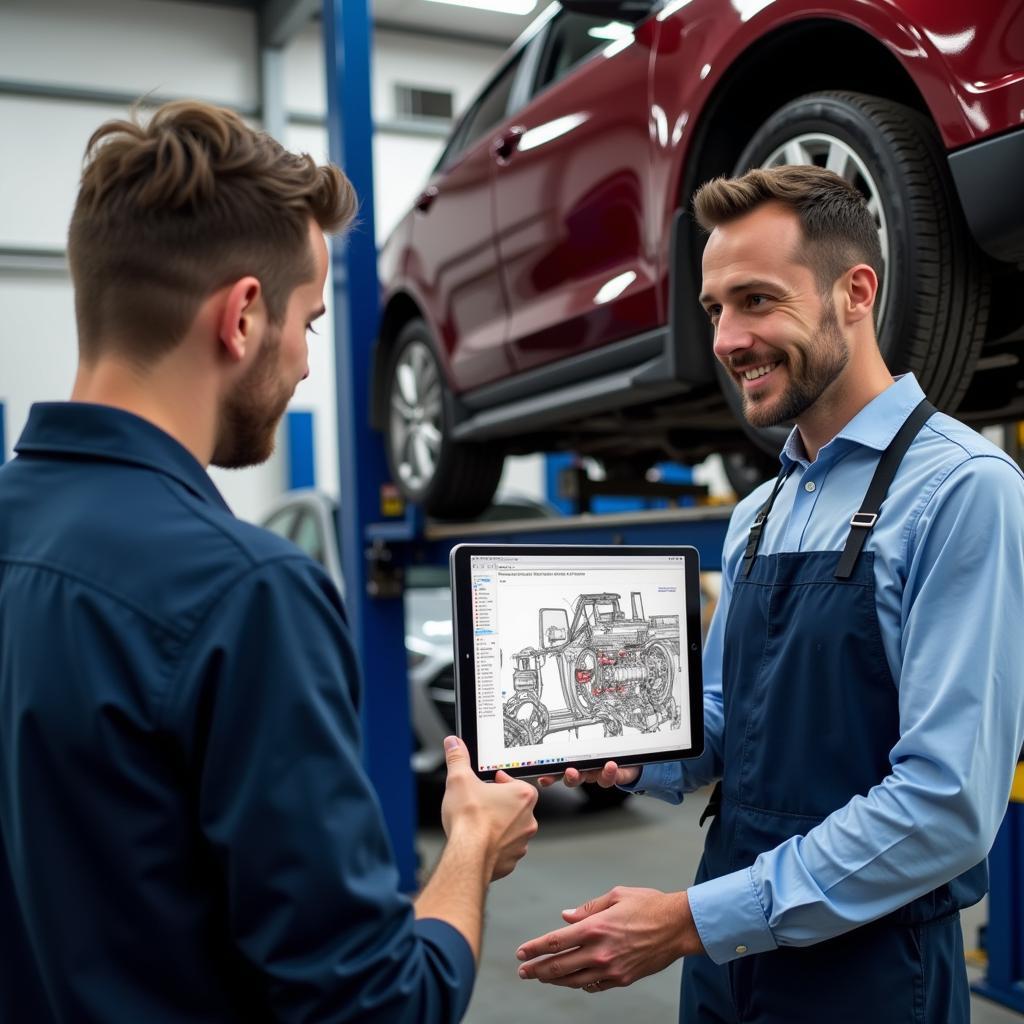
580	656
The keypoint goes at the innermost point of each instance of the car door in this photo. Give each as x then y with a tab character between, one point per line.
572	170
456	266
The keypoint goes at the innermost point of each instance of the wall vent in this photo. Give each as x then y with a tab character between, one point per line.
414	103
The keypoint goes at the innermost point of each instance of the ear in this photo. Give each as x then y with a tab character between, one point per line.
858	290
239	317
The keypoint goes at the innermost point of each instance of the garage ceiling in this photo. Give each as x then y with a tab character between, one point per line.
445	19
282	18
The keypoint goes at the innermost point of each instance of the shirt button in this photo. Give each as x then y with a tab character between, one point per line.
809	486
741	949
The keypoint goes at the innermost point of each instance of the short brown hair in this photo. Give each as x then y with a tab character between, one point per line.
838	228
171	210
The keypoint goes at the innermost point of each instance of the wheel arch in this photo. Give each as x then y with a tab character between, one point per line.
774	70
399	310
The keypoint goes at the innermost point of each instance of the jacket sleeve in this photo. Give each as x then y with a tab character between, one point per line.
303	867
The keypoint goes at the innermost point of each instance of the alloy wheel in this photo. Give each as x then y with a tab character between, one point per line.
819	149
417	413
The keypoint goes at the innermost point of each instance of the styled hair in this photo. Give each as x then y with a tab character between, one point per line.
838	229
172	210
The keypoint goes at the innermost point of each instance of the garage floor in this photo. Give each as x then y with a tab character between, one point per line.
578	855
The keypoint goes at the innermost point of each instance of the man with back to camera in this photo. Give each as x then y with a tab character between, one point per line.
187	832
863	700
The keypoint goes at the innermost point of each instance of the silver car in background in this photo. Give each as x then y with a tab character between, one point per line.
309	518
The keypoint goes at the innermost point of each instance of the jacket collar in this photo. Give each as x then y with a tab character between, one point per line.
88	431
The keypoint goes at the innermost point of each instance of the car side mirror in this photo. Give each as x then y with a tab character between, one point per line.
554	627
614	10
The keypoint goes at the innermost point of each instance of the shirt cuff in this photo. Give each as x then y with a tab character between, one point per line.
729	917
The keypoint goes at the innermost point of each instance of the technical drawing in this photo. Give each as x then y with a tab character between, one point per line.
613	671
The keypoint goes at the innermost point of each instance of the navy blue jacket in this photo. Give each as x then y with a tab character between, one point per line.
187	831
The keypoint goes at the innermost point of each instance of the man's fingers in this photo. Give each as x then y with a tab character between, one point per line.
553	942
455	753
563	969
547	780
591	907
605	776
500	776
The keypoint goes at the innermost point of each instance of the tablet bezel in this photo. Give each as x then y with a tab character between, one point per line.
465	674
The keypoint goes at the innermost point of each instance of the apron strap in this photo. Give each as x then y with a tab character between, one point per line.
754	539
861	522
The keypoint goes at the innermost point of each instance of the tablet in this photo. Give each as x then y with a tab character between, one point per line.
576	655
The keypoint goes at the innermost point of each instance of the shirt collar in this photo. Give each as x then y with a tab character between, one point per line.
873	427
113	435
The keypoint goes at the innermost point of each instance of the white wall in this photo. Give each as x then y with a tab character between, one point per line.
188	49
135	46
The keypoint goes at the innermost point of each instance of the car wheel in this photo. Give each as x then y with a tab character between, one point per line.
748	469
932	306
448	478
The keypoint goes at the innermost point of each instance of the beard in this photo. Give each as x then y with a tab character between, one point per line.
250	414
811	371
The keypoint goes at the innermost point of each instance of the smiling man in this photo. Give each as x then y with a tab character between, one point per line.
864	704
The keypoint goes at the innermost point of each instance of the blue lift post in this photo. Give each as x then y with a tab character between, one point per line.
377	624
1004	940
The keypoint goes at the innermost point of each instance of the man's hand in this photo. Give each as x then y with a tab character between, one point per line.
610	775
614	940
488	828
500	815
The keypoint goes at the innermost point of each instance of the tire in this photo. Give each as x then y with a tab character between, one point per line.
449	479
934	296
748	469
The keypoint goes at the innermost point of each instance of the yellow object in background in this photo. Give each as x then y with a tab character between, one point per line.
1017	789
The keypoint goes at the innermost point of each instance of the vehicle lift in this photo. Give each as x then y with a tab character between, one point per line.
1004	942
379	537
375	546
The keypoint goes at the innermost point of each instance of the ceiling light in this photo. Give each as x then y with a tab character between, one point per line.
498	6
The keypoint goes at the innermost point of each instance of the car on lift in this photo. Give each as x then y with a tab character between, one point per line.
541	293
309	519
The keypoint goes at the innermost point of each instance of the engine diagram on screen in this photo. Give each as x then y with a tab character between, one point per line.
603	668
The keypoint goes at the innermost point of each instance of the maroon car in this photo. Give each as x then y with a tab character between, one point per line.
542	292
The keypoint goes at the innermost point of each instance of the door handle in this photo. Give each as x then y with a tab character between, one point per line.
505	145
426	198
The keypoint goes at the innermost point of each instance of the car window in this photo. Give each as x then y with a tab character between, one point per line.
281	522
490	110
571	39
307	535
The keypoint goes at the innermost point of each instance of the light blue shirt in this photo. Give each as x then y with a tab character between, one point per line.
949	579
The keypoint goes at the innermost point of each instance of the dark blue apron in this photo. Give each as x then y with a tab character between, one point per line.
811	714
